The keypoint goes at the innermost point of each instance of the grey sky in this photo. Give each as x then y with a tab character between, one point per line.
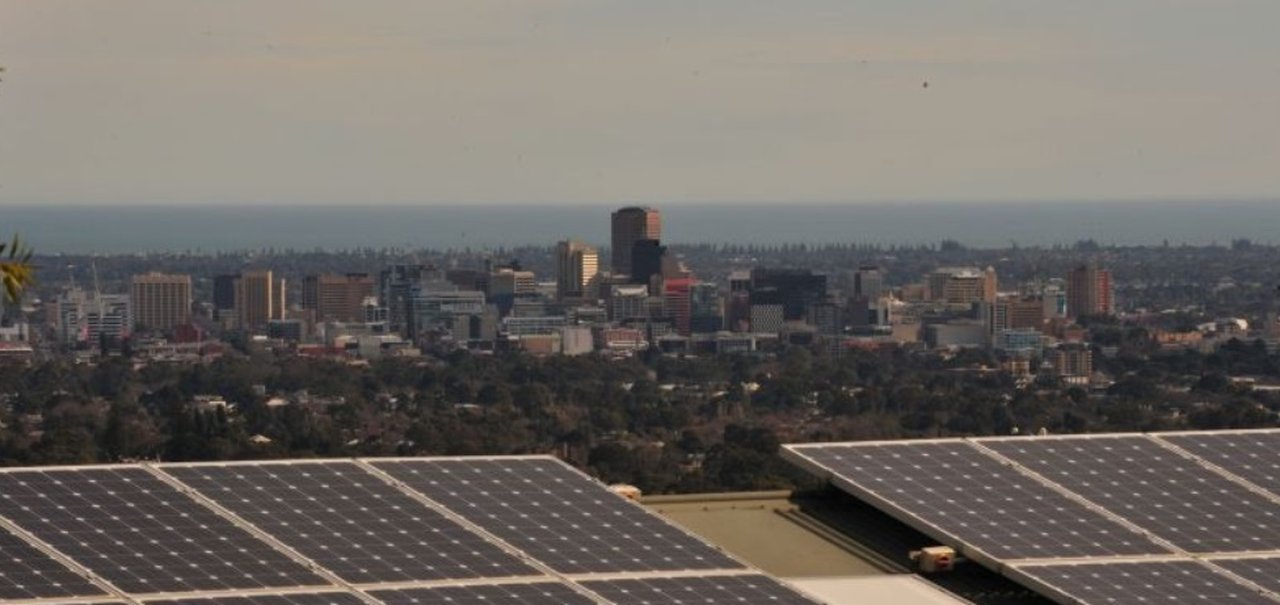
583	101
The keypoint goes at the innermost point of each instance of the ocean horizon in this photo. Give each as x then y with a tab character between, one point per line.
209	229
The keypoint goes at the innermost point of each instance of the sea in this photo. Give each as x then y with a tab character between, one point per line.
208	229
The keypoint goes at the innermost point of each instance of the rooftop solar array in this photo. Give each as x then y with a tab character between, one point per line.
557	515
141	534
1254	456
1264	571
350	522
27	573
306	598
1160	490
721	590
1114	519
955	487
540	593
474	531
1146	584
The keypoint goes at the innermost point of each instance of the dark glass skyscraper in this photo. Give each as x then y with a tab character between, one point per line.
632	224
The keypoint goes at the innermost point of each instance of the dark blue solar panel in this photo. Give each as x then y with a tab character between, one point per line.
980	501
539	593
350	521
1154	488
1254	456
1146	584
141	534
318	598
556	515
27	573
706	590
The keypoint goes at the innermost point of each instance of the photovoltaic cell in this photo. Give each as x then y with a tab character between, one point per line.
350	522
27	573
540	593
140	534
556	515
980	501
1253	456
1146	584
1264	572
318	598
1154	488
722	590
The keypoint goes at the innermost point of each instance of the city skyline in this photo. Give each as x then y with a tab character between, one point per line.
575	102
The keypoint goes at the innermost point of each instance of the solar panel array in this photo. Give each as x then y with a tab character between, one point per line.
1114	519
454	531
1146	583
557	515
27	573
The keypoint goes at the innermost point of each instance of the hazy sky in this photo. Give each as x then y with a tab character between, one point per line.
584	101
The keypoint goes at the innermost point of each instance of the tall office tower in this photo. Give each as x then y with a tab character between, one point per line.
630	225
677	303
868	282
507	284
258	299
576	265
86	317
646	260
706	309
962	285
395	284
793	289
336	297
224	295
1089	292
161	302
280	310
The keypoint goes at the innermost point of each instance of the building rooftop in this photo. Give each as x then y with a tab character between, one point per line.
834	546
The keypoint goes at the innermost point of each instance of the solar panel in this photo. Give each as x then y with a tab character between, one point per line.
27	573
350	522
141	534
1264	572
979	501
539	593
311	598
1145	584
706	590
1165	493
1254	456
557	515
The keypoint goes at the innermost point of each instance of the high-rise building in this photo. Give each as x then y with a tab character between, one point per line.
336	297
259	299
630	225
677	303
395	284
793	289
962	285
224	295
160	302
1073	362
628	303
507	284
87	317
646	260
868	282
706	309
1089	292
576	266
